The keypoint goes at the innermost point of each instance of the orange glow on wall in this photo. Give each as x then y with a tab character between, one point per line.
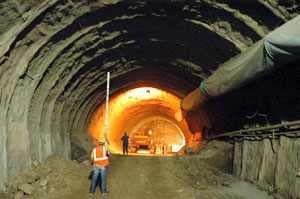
126	106
144	93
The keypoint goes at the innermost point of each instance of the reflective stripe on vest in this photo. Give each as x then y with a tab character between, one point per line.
100	158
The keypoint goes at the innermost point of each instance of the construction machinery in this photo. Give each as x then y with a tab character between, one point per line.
140	143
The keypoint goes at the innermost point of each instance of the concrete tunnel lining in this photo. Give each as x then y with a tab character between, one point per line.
177	139
54	60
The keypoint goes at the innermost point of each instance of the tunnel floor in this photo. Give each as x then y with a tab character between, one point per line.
135	177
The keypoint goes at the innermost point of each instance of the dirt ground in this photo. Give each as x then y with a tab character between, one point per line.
133	177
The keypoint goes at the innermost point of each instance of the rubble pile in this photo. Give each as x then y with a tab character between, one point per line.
217	154
204	179
52	176
201	172
198	172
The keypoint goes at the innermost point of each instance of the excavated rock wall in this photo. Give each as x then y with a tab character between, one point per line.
271	164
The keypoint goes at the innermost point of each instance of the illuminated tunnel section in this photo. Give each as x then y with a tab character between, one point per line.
143	111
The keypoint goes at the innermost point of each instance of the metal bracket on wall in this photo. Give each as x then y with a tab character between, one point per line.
270	131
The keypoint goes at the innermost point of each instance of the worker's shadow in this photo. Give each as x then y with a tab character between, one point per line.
90	176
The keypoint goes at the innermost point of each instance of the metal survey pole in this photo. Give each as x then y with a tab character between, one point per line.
106	108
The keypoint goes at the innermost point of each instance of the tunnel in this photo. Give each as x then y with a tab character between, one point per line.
138	110
55	55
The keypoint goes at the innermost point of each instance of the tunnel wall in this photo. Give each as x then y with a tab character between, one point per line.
270	164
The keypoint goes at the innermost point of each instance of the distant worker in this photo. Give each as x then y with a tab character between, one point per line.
125	143
278	48
99	157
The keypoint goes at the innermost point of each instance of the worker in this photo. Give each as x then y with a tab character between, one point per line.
99	157
278	48
125	143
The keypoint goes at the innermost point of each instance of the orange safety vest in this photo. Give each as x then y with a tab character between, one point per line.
100	156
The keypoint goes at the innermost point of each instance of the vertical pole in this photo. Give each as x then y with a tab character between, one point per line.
106	108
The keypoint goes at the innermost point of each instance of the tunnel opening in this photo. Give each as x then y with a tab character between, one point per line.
147	115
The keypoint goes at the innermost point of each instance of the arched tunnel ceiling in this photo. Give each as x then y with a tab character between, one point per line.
79	42
54	57
62	50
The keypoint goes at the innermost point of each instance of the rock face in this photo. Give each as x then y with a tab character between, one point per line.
271	164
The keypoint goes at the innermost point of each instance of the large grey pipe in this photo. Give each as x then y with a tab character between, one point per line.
278	48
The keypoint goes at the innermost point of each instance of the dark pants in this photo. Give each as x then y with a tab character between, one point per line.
125	149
